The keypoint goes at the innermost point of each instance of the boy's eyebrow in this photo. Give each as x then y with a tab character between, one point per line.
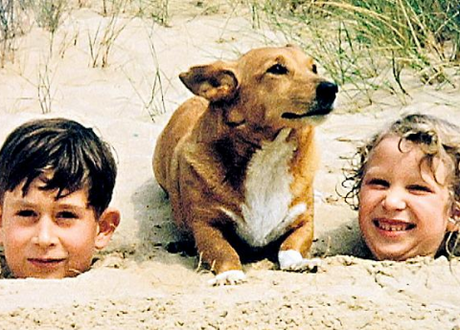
73	206
16	202
20	202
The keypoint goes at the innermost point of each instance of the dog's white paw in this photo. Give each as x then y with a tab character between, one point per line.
292	260
230	277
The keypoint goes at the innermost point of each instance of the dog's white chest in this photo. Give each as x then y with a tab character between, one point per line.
266	212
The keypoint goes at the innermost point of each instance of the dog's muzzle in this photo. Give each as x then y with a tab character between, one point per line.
325	97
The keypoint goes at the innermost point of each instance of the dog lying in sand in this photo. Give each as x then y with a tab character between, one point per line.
239	158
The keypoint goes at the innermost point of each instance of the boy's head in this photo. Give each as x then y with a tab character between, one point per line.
405	184
56	182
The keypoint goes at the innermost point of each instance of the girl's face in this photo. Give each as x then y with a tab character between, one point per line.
404	206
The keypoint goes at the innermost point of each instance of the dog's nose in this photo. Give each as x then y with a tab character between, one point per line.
326	91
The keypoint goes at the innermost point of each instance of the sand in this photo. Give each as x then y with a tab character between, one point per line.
136	283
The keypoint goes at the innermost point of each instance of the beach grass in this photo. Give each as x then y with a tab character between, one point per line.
12	17
368	45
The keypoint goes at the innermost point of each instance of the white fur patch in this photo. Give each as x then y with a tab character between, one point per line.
288	258
230	277
293	260
266	212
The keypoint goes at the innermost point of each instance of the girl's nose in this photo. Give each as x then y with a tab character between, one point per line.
394	199
45	235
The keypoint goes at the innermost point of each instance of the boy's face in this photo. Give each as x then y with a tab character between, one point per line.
403	209
48	238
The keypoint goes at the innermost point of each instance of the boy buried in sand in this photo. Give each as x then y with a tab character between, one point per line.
56	182
405	182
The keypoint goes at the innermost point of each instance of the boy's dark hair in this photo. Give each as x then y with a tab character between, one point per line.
74	155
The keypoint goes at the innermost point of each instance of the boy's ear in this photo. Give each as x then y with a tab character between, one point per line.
108	222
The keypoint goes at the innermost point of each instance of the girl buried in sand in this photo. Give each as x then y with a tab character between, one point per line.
405	183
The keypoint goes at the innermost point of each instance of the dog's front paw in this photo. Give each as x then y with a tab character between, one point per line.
230	277
292	260
305	265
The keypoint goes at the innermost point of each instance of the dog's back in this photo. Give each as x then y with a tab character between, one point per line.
176	131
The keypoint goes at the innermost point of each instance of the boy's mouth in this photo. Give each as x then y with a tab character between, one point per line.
393	225
45	262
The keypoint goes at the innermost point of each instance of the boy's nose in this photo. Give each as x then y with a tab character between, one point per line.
45	235
394	200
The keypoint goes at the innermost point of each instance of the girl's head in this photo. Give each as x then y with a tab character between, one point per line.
405	182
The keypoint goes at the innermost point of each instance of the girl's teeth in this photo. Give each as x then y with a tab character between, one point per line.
392	227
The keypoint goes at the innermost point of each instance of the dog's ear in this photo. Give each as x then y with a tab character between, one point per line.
214	82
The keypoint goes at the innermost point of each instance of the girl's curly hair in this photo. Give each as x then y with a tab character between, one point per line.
438	138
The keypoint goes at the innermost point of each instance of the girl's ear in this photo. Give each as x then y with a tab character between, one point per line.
1	227
108	222
454	221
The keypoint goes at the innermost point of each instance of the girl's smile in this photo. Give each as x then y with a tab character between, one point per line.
392	227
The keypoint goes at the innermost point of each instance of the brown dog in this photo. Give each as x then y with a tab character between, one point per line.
241	156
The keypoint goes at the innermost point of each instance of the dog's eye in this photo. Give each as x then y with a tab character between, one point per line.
277	69
314	68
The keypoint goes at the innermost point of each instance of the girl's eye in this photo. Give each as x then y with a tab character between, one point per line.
420	188
26	213
379	183
277	69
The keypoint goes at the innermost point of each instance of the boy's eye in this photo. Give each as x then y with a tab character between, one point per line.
26	213
67	215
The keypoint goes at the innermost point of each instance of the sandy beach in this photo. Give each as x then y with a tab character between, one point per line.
135	283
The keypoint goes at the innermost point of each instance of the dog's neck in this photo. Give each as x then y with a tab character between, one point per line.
246	137
236	152
235	145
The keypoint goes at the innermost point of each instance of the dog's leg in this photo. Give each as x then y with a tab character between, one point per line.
292	250
201	175
218	253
